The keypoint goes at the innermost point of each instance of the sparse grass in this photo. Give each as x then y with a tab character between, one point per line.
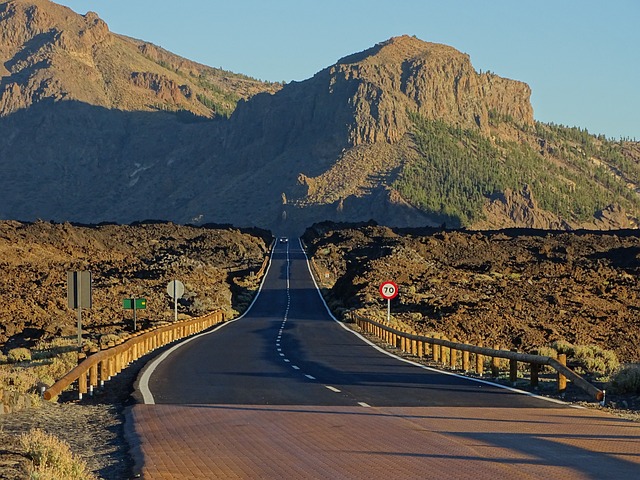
52	458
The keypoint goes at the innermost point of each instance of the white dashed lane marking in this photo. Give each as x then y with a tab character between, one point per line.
281	331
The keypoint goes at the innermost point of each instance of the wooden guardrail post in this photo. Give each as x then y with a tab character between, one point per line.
479	364
443	351
93	377
453	356
465	361
562	380
480	361
495	364
535	370
436	350
513	370
82	385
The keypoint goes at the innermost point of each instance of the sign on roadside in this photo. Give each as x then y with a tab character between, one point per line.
79	295
134	303
79	289
389	291
175	289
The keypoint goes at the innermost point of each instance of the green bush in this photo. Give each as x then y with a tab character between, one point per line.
626	380
17	355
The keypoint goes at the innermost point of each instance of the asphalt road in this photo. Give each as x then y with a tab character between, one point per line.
288	392
288	350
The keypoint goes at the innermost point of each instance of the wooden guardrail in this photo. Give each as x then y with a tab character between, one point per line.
101	366
441	348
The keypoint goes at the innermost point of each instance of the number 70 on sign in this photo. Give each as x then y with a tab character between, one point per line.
388	290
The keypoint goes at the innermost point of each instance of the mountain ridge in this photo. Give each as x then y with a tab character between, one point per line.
102	127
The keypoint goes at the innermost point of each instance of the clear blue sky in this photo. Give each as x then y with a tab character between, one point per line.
580	57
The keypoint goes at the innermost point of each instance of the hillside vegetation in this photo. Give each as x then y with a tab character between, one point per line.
457	169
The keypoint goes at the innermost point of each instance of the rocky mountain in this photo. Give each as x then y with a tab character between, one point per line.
49	52
99	127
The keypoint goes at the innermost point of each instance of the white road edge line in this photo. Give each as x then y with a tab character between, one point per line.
143	386
424	367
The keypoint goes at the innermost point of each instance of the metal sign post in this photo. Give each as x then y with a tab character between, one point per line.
388	291
175	289
79	295
134	304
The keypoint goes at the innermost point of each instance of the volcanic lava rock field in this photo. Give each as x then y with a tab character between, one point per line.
520	289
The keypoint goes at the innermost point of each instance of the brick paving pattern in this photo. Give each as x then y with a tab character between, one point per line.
291	442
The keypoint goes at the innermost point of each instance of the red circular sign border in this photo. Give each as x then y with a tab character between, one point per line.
388	282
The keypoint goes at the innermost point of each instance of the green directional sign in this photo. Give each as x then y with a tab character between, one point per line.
139	303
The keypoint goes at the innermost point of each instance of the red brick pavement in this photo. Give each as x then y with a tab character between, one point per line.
291	442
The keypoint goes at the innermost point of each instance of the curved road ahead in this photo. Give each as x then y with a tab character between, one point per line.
288	392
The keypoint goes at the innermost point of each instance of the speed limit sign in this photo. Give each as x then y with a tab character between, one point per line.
389	290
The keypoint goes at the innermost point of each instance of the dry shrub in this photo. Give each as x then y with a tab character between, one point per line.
626	380
17	355
26	378
54	348
590	358
562	346
108	338
548	352
597	360
52	458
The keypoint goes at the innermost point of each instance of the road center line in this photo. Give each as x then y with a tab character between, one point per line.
333	389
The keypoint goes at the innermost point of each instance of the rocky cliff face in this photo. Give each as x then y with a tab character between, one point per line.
405	75
367	96
330	131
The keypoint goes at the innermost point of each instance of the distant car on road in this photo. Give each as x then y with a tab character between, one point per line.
284	239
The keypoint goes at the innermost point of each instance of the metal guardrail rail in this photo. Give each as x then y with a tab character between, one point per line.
422	346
